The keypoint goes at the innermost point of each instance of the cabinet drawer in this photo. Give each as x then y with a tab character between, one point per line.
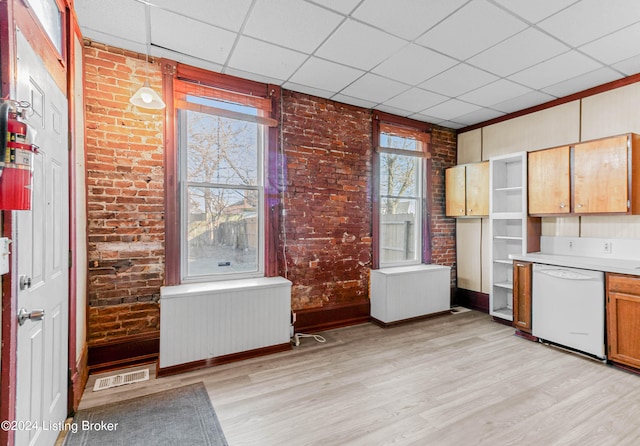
623	284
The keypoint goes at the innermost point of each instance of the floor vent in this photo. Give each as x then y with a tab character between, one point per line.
121	379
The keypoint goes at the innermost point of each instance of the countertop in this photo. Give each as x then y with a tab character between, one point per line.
611	265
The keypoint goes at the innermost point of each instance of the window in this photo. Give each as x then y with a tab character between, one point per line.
402	218
50	18
222	138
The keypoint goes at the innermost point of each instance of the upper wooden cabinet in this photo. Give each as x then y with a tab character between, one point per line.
549	181
601	175
467	190
594	177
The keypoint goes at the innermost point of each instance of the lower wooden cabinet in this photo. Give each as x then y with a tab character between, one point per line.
623	319
522	295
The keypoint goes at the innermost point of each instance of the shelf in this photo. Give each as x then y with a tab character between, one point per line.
508	189
508	215
507	237
503	313
507	285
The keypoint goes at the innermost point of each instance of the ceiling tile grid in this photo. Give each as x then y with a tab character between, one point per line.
453	63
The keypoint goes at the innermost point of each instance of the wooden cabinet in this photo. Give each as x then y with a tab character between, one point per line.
601	176
522	295
623	319
549	181
467	190
594	177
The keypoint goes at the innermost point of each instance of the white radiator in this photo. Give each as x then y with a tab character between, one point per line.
406	292
207	320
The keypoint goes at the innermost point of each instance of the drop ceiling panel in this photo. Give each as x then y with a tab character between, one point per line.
413	64
583	82
374	88
458	80
325	75
403	56
552	71
405	18
341	6
518	52
269	60
484	25
494	93
125	23
521	102
359	46
291	23
451	109
226	14
415	100
616	46
588	20
191	37
534	11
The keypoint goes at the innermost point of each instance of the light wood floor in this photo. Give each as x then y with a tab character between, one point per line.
459	379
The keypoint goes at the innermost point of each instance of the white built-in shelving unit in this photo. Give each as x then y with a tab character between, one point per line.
508	220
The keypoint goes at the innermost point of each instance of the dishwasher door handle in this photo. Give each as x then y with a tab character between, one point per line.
564	274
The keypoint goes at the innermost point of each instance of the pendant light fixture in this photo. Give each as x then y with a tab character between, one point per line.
146	97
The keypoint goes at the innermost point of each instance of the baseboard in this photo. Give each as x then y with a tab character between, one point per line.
327	318
409	320
219	360
124	352
472	299
78	378
525	335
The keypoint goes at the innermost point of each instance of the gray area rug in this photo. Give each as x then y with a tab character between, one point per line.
182	416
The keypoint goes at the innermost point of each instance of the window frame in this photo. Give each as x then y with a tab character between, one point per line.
175	76
404	127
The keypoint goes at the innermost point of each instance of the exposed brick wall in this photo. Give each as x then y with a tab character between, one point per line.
443	229
327	226
328	206
125	182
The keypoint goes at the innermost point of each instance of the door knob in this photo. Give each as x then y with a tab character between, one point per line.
35	315
25	282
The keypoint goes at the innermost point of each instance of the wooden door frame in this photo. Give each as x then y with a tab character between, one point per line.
14	13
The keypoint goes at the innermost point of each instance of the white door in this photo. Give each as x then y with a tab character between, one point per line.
41	246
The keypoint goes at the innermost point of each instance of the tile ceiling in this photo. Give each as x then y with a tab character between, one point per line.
449	62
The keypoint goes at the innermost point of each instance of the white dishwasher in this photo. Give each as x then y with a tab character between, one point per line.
568	307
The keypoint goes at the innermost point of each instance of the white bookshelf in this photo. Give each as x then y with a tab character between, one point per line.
508	223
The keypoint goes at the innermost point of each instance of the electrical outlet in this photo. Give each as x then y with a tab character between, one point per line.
571	245
606	247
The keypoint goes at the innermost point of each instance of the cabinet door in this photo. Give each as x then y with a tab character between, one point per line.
601	176
455	185
477	179
623	319
522	296
549	181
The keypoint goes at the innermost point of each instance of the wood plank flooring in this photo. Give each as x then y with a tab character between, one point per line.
459	379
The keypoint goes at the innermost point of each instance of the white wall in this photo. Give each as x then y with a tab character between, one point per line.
606	114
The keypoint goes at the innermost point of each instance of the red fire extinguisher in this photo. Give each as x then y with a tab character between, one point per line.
16	160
